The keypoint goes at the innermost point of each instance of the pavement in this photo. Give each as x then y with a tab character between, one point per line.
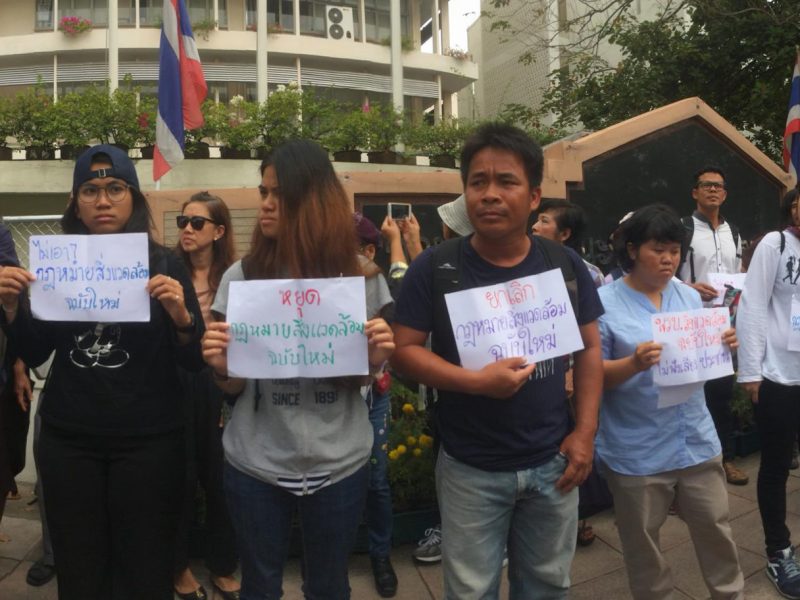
598	571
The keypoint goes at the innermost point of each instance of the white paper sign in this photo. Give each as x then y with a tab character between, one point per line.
720	280
672	395
530	317
90	277
794	326
692	348
287	328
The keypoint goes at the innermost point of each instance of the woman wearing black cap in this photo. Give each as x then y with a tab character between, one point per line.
111	450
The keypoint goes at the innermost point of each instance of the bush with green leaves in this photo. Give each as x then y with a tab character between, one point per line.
32	119
383	126
350	132
6	124
444	139
234	124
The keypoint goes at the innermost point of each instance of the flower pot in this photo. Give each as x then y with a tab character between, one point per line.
6	153
443	161
410	160
234	153
39	153
147	152
347	156
70	152
384	157
197	150
747	442
410	526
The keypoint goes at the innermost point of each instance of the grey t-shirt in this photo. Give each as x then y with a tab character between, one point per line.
300	434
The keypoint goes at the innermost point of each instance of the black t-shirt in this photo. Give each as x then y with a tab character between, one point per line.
498	435
114	378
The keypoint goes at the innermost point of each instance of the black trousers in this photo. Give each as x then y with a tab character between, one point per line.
719	393
112	508
203	406
777	415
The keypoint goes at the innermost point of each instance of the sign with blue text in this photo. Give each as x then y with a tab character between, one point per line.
98	278
531	317
691	346
288	328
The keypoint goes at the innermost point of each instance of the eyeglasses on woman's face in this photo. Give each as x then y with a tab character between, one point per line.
115	191
197	222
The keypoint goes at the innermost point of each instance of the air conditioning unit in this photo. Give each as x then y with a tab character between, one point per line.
340	22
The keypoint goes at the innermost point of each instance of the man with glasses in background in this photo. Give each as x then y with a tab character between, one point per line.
715	246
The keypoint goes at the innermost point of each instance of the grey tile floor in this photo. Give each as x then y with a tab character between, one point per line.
598	571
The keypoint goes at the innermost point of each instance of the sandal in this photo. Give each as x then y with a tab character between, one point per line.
585	534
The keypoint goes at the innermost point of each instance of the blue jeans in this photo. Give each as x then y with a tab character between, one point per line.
379	496
262	517
484	511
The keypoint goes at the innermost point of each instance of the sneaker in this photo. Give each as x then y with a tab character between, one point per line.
733	474
784	572
429	548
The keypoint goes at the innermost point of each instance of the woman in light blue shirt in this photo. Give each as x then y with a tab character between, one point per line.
650	455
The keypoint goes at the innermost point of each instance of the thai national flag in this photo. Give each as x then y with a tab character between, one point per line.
181	87
791	136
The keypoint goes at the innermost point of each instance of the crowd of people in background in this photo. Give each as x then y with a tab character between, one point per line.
522	448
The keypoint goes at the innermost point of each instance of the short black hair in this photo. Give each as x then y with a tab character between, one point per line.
505	137
657	222
568	216
707	169
786	208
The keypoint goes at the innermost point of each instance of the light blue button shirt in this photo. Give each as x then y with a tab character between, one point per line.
636	437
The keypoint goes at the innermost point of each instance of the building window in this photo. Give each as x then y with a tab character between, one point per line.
378	20
203	10
279	12
44	14
94	10
150	13
312	17
127	13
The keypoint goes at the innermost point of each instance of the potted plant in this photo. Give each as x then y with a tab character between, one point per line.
70	117
443	142
146	122
348	137
383	126
320	116
235	127
73	26
458	54
745	435
411	467
33	125
278	119
6	128
204	28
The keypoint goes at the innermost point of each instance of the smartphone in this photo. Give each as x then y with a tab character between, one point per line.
399	210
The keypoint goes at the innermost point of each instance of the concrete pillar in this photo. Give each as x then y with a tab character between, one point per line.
215	14
296	13
261	50
136	17
113	45
447	107
397	55
437	49
362	16
299	68
55	77
437	111
416	22
55	15
445	6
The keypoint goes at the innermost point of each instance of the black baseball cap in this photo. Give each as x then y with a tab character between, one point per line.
121	166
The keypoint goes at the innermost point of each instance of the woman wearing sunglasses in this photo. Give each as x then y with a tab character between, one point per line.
207	248
111	450
305	229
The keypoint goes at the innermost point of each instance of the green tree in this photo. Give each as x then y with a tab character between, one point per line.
737	55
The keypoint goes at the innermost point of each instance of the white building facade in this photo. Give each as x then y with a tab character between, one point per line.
343	46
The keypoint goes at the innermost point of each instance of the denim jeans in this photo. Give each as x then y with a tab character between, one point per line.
262	518
379	496
484	511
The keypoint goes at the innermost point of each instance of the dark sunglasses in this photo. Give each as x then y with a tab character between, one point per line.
197	222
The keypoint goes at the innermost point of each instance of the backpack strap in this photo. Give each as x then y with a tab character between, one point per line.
556	257
688	225
446	279
736	238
